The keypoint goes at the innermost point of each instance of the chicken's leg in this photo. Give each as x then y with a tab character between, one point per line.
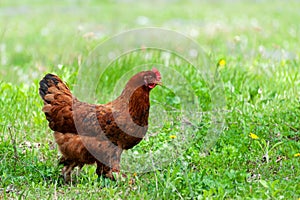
102	169
114	164
66	171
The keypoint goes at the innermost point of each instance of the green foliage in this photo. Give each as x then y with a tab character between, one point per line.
258	41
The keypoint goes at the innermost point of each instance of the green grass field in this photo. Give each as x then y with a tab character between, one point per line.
255	155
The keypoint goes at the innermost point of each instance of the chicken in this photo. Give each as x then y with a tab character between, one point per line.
88	133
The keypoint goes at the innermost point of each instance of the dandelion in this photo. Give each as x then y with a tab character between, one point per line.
134	174
253	136
222	62
172	136
297	155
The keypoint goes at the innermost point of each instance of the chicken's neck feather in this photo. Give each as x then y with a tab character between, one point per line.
136	100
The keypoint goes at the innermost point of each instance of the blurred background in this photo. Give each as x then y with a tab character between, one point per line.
38	36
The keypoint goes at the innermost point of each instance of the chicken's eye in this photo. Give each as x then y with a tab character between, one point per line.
147	79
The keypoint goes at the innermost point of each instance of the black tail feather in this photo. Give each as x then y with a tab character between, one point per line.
46	82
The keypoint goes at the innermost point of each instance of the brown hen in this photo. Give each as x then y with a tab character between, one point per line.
88	133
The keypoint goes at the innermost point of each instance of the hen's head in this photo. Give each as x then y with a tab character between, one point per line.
146	79
152	78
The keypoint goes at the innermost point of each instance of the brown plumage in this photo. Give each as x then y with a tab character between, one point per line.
88	133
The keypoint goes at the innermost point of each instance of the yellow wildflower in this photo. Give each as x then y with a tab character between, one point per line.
172	136
222	62
297	155
134	174
253	136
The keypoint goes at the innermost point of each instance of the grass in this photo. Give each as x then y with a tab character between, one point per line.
259	43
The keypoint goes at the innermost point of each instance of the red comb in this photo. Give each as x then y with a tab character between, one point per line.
157	73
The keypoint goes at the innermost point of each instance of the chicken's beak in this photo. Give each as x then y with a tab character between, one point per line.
159	83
